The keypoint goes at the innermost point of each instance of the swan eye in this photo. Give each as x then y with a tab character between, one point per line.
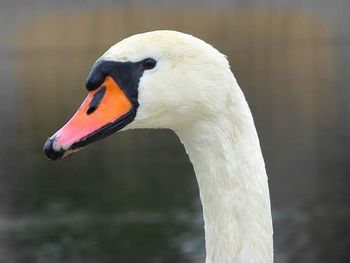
149	63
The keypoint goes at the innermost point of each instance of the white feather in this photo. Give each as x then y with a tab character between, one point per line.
193	92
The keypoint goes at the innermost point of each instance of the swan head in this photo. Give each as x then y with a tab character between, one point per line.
159	79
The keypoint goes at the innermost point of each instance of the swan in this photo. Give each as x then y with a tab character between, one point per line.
173	80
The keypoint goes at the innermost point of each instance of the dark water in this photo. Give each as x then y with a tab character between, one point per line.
133	197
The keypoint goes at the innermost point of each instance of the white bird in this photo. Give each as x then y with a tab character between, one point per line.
168	79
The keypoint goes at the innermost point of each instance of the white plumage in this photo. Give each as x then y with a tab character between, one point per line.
193	92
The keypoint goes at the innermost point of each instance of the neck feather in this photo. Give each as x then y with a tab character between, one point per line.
233	187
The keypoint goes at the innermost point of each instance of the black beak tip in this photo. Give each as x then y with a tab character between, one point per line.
50	152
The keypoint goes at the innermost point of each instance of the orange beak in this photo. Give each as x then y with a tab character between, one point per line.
104	111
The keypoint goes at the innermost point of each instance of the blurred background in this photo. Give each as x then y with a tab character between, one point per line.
133	197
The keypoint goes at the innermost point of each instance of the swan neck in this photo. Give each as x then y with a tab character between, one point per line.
233	187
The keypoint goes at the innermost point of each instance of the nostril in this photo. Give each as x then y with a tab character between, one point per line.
91	110
96	100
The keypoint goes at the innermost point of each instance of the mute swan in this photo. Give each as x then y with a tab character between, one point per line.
168	79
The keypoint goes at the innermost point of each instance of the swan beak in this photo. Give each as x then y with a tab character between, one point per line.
104	111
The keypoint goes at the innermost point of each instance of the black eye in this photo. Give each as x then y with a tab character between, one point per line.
149	63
